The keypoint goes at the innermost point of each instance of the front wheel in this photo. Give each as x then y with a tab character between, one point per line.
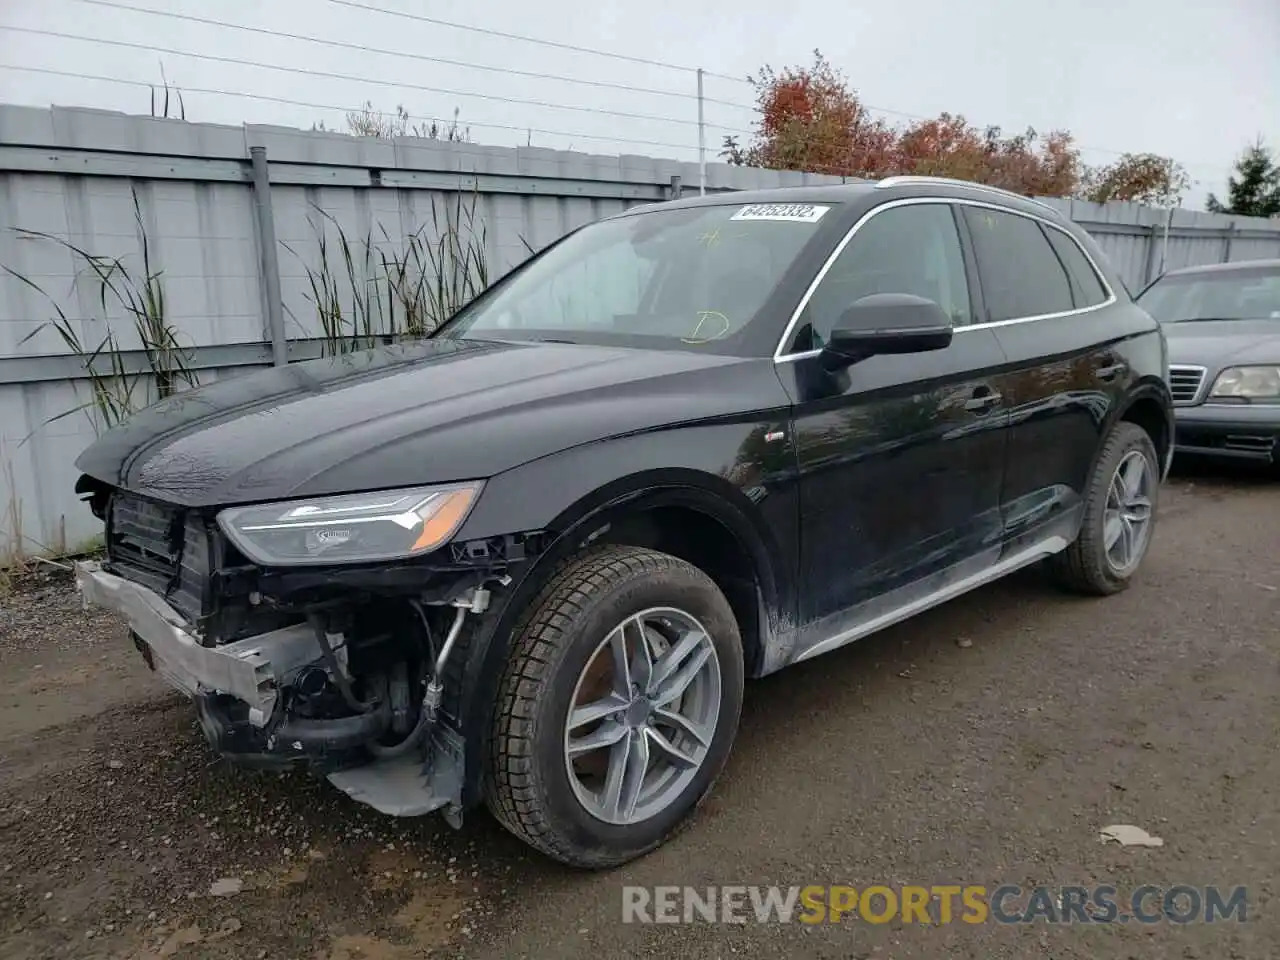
1119	515
617	708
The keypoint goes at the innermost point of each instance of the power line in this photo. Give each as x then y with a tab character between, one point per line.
484	67
236	61
556	44
302	71
363	48
356	4
458	93
559	45
329	106
344	45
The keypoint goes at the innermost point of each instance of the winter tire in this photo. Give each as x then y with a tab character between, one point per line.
618	706
1119	515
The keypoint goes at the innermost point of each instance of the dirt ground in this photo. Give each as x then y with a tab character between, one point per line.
986	741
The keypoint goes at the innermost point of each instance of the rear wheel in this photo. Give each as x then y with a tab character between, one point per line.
1119	515
618	706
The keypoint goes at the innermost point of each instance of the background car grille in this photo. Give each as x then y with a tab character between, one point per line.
162	547
1185	383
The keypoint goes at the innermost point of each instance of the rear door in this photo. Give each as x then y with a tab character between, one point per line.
1049	309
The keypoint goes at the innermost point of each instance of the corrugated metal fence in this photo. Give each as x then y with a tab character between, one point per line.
207	195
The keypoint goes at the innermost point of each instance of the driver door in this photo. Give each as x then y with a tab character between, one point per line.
901	457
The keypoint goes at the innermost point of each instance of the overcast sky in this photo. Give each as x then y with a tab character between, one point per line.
1193	79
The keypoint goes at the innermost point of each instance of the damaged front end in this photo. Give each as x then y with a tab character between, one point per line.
351	670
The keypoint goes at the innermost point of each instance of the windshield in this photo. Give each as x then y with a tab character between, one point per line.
1248	294
692	278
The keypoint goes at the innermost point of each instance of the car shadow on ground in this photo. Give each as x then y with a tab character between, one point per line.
1223	472
890	662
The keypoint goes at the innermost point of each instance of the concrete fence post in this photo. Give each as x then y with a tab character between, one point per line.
1226	245
269	260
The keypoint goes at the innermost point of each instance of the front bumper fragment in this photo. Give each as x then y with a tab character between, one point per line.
253	670
1239	431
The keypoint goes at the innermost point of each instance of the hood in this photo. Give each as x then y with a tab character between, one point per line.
427	412
1217	343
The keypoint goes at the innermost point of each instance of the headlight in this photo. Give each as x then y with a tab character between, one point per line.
384	525
1248	383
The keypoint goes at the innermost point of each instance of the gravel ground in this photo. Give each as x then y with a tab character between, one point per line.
985	742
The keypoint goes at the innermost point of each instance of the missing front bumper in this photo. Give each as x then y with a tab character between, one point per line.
253	670
237	689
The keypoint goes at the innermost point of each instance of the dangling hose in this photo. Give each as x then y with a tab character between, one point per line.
433	695
331	661
426	631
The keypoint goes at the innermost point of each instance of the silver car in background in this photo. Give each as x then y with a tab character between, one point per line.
1222	323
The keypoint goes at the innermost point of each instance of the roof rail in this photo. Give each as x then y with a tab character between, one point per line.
902	181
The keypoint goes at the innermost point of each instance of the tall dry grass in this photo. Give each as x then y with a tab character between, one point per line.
374	289
117	386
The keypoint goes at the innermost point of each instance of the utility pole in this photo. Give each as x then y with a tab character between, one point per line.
702	142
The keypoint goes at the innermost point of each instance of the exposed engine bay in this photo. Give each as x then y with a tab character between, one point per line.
349	672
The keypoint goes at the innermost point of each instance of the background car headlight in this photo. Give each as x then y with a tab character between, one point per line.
1248	383
382	525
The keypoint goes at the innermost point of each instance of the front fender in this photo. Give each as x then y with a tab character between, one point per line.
728	471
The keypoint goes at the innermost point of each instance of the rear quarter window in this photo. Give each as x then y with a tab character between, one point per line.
1087	288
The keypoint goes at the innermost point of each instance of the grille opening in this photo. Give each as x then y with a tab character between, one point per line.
1253	444
144	537
1185	383
162	547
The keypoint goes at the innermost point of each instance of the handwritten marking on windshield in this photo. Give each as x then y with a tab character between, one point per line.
703	317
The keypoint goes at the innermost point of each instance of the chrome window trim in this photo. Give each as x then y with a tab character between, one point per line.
787	333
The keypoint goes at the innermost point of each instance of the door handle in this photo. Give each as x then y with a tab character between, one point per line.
983	399
1111	371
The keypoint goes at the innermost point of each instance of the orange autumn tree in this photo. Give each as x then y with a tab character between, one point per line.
810	119
1027	163
1139	178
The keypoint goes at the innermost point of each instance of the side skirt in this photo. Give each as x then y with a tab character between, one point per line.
915	598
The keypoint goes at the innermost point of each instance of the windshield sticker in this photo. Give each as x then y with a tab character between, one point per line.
795	212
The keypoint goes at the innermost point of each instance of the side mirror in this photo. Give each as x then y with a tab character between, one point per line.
888	323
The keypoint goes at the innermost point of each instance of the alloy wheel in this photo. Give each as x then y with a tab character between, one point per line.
643	715
1126	525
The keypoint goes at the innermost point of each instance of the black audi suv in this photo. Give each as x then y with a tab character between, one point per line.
530	560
